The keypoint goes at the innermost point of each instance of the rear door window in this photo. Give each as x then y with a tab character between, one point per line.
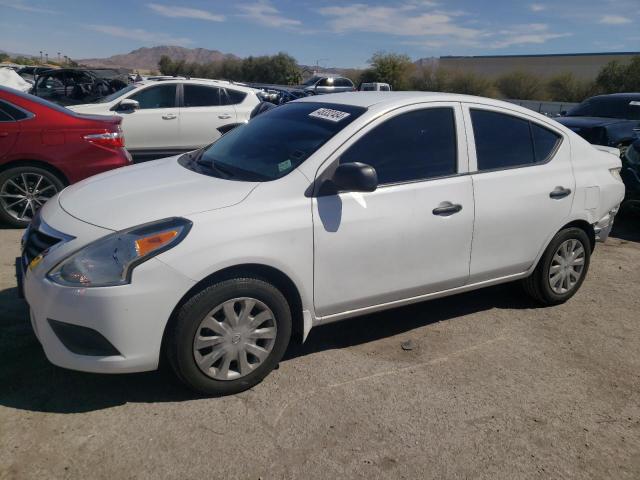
201	96
505	141
544	142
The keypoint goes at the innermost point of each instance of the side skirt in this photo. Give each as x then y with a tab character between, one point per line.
407	301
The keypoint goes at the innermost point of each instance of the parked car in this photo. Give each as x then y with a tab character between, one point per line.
44	147
315	211
30	72
610	120
262	107
375	87
631	176
72	86
317	85
166	117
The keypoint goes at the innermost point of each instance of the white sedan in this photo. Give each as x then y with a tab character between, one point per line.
174	115
316	211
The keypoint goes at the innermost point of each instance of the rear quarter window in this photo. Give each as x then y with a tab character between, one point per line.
234	97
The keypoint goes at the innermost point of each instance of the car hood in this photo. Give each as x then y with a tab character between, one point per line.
142	193
587	122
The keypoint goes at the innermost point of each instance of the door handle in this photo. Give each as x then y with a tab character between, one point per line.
446	209
224	116
169	116
560	192
4	134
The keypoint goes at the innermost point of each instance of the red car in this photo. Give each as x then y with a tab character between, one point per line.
44	147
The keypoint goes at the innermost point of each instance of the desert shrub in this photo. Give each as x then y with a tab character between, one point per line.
521	85
567	88
471	84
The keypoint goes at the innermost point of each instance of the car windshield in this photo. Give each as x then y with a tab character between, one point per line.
274	143
118	94
608	107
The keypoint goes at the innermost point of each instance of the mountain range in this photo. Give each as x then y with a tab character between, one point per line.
147	58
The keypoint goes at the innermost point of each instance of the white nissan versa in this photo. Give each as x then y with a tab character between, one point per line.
318	210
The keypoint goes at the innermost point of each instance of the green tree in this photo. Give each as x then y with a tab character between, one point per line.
521	85
392	68
611	77
430	79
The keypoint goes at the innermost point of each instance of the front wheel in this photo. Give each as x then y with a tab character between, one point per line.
561	269
230	336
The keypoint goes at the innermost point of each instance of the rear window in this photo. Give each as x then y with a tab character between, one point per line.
276	142
40	101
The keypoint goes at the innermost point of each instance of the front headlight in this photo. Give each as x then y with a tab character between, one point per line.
110	260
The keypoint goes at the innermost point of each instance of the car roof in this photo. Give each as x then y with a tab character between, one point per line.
198	81
377	102
369	99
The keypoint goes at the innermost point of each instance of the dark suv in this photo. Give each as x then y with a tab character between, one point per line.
610	120
328	84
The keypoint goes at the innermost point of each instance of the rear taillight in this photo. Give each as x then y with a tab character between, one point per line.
106	139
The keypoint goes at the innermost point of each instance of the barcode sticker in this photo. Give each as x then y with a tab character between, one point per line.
329	114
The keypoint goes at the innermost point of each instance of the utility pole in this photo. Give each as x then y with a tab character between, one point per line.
40	56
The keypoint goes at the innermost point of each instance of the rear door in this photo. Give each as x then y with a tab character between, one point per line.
523	188
156	124
9	126
204	108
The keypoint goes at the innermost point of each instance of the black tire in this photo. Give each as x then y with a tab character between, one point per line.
29	170
537	285
180	337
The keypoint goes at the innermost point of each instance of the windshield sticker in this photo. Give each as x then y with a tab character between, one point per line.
329	114
286	165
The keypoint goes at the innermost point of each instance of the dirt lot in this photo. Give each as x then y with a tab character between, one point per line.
493	388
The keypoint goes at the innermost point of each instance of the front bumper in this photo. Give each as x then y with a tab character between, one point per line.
132	318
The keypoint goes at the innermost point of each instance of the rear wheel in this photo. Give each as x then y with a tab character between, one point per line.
561	269
230	336
23	191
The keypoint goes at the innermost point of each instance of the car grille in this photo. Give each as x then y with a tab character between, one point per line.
35	243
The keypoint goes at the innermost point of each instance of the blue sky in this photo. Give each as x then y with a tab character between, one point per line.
339	33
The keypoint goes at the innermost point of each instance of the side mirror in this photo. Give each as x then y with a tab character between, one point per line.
563	113
355	177
128	105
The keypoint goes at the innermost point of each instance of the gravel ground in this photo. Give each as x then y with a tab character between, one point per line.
492	388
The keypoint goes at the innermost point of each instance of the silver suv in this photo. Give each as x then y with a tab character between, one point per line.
328	84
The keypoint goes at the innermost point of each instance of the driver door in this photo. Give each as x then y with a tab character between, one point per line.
156	124
395	243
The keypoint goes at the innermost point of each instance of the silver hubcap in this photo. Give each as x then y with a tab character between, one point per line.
234	338
23	195
567	266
